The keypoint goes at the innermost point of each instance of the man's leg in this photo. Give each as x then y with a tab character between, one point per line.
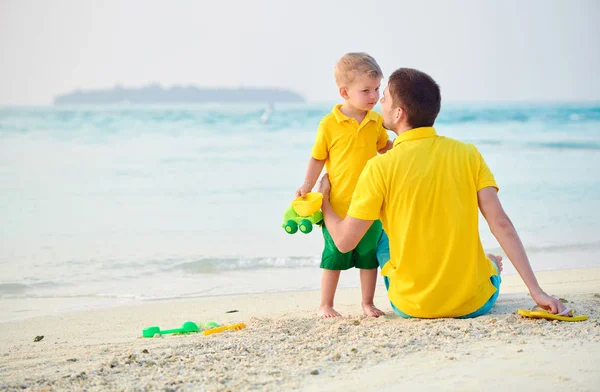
383	251
495	280
497	260
383	256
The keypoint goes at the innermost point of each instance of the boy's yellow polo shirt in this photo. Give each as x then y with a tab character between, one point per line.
424	190
346	146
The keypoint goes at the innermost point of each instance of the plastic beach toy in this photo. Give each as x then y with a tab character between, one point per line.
308	205
187	327
209	325
536	312
234	327
303	213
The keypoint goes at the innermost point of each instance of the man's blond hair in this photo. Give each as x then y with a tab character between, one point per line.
354	65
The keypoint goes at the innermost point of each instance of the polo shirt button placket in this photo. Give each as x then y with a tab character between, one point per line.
355	123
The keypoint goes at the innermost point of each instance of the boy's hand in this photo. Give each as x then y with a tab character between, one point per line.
548	302
388	146
304	189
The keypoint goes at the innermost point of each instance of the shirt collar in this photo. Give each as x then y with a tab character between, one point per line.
415	134
339	116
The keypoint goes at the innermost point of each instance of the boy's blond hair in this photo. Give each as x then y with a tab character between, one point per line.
354	65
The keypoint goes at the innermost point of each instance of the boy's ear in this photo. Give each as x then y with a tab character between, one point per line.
344	92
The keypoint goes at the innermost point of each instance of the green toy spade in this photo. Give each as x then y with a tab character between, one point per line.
187	327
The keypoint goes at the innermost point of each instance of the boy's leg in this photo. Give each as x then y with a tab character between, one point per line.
368	281
365	258
332	262
329	281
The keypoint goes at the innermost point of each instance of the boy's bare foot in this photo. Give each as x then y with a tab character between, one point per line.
370	310
329	312
496	260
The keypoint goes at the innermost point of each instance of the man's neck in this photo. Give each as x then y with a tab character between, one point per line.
353	112
401	129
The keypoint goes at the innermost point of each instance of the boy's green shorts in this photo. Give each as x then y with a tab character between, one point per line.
364	256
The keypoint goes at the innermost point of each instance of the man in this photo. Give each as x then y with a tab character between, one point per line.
427	191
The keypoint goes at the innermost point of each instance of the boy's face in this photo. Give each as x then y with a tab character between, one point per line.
363	93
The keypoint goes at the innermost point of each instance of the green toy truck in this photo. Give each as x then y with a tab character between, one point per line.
292	221
303	213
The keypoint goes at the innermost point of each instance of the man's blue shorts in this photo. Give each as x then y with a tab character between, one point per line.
383	256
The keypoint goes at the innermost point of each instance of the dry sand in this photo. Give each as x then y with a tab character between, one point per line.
286	346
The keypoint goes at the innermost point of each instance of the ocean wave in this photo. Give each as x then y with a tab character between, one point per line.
551	113
533	249
8	289
22	289
173	120
565	145
587	246
555	145
217	265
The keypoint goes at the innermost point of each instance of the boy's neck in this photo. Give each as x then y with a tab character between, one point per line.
353	112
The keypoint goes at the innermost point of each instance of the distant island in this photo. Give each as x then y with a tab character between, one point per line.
155	93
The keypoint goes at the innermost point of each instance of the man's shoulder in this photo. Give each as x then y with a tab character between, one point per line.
458	144
464	152
381	161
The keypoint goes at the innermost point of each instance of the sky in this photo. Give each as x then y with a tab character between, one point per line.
477	50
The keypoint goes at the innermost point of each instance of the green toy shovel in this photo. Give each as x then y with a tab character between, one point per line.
187	327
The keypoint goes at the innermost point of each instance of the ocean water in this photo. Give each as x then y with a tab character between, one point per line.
102	206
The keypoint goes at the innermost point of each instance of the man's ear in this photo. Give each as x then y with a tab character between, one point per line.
400	115
344	92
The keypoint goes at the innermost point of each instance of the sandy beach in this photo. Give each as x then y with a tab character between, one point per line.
287	347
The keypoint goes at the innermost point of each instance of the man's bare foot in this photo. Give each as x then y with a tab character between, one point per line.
496	260
329	312
370	310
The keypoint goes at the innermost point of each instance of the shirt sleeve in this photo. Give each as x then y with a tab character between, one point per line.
382	138
320	150
485	178
367	200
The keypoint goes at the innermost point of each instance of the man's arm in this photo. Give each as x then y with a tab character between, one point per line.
346	233
315	167
506	234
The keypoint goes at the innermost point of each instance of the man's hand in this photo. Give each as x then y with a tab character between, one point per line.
325	186
346	233
548	302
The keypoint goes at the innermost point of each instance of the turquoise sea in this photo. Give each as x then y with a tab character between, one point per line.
102	206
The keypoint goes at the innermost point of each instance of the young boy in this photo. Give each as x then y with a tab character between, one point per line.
346	139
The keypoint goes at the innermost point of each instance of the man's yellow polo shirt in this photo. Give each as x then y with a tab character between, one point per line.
346	146
424	190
